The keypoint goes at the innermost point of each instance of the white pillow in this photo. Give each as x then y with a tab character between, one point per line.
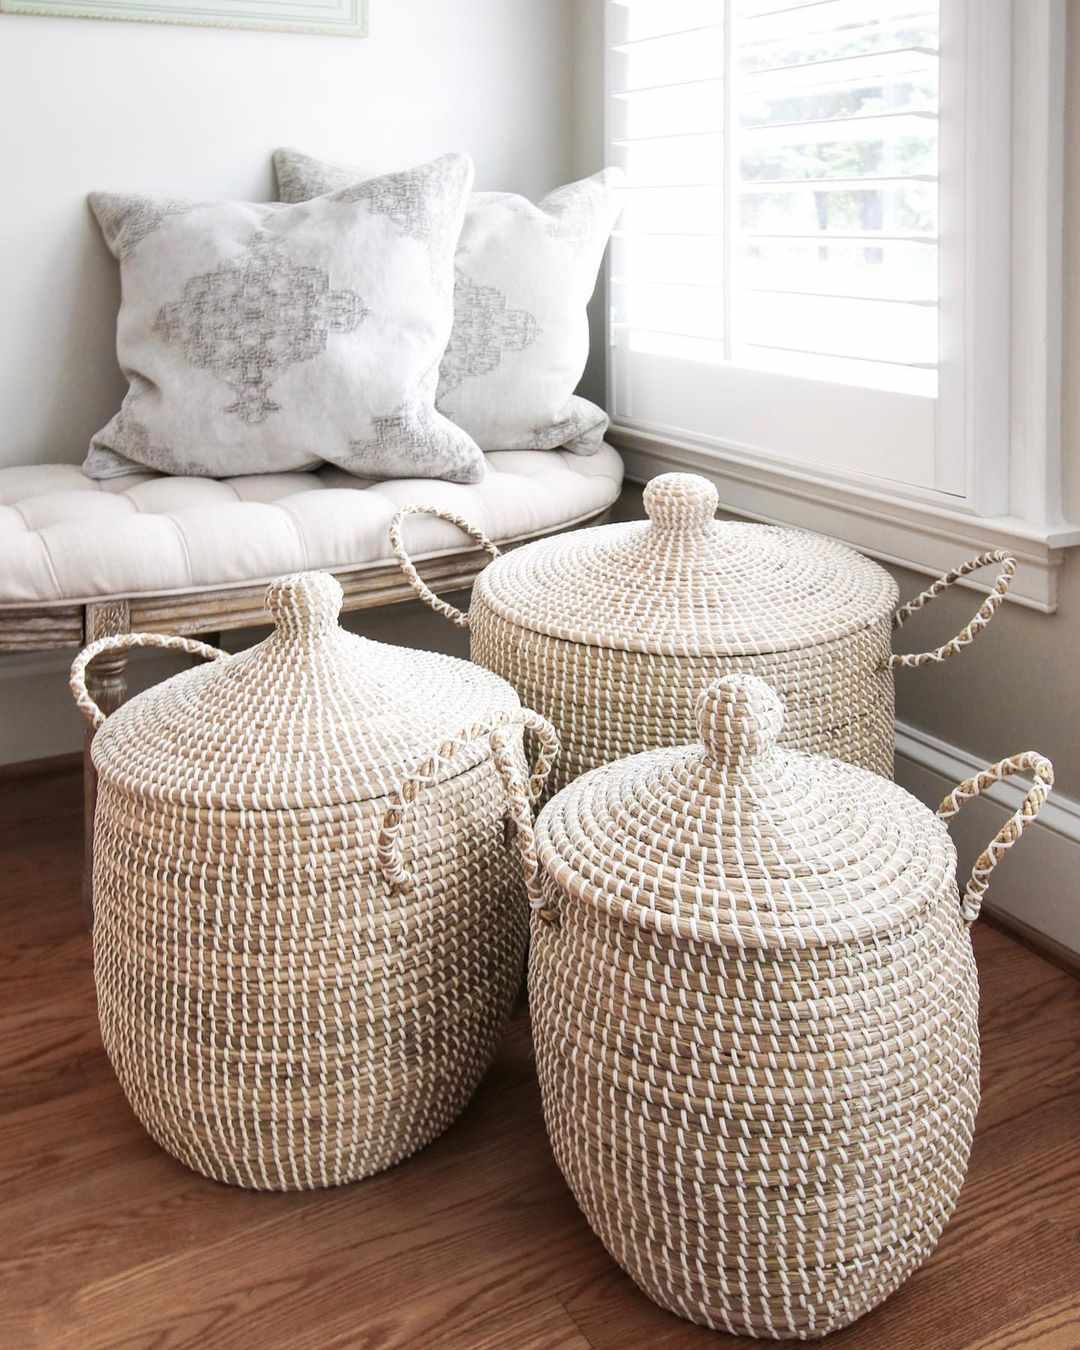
262	338
520	340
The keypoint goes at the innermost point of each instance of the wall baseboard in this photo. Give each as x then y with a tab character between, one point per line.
1035	889
1055	952
46	767
1060	814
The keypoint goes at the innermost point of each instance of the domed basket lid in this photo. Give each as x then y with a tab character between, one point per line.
739	842
312	716
684	584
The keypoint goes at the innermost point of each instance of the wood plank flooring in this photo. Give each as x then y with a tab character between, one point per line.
105	1241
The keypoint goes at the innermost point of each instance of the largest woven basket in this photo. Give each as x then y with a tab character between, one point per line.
754	1005
309	919
611	632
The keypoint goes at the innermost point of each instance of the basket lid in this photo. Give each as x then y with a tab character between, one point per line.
311	716
738	841
684	584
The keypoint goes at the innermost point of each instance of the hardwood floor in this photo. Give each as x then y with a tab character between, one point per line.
105	1241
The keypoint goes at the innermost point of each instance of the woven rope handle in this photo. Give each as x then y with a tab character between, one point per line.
1030	761
122	642
547	754
970	631
519	813
521	796
443	607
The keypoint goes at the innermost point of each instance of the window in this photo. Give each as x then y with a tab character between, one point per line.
811	277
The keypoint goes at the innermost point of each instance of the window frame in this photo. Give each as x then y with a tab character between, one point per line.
1001	374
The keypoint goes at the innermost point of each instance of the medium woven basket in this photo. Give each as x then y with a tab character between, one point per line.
309	919
612	632
754	1004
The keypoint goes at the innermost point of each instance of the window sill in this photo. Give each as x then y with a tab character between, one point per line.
926	538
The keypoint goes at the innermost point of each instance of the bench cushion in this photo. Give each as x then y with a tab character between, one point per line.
66	538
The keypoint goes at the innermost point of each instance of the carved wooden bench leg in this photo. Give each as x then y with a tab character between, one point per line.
106	682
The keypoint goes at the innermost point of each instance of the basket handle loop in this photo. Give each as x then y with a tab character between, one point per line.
443	607
521	795
1030	761
122	642
971	630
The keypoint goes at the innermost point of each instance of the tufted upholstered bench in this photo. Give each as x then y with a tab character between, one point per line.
81	559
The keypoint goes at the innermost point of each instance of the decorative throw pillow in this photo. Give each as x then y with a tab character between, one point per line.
261	338
524	274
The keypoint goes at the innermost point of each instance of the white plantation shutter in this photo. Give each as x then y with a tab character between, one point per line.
788	279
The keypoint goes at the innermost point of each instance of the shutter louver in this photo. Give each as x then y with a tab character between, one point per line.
782	211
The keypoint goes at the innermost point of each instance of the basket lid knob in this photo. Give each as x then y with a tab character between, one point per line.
680	501
305	605
739	717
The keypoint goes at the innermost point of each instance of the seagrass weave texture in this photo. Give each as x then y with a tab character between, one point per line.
612	632
754	1003
309	923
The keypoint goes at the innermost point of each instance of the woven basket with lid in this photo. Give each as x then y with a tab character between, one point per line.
309	923
612	632
754	1003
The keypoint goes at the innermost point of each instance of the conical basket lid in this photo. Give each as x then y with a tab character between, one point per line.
682	583
312	716
740	842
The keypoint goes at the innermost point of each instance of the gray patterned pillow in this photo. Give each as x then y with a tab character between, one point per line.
520	340
262	338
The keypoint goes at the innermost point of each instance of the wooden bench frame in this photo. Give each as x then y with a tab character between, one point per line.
209	612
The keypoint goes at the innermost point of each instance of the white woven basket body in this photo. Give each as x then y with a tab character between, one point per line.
608	703
754	1004
613	632
744	1176
275	1016
309	919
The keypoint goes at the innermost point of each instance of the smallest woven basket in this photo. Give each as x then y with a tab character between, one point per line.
754	1002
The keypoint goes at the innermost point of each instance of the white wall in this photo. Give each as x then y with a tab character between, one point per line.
196	112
